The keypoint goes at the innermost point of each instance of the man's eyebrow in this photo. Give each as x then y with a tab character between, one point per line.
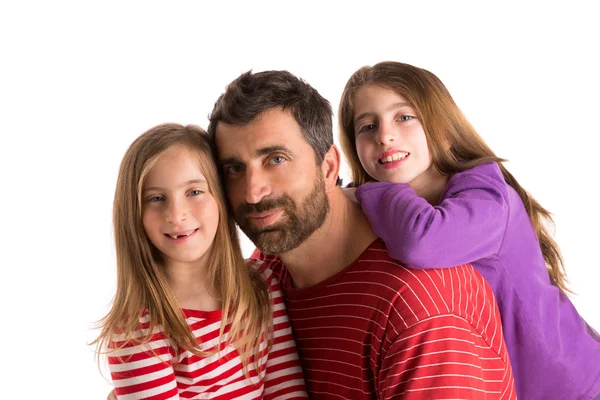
272	149
263	151
230	160
392	107
190	182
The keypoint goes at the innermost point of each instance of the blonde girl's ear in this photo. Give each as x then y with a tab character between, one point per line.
331	167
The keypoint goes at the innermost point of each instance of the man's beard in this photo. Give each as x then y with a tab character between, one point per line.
298	224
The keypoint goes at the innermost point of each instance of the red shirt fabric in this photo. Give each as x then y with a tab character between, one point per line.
378	330
155	371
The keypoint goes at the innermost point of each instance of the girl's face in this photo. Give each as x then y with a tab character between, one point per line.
180	215
390	140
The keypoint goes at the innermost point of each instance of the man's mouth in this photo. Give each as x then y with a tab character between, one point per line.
264	218
393	157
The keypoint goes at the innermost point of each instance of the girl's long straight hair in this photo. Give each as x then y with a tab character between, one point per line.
142	285
443	123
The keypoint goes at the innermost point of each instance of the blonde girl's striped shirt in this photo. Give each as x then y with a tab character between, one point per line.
378	330
156	371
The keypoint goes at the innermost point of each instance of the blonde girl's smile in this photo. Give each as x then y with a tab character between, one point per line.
181	237
180	215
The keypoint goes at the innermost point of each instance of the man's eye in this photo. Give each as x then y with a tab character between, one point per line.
233	169
367	128
277	160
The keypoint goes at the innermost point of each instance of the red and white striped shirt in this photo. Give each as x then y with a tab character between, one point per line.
378	330
139	374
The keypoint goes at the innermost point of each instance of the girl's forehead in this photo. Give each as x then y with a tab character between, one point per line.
378	88
177	164
378	96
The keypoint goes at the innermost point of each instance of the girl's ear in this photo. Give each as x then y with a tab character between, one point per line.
331	167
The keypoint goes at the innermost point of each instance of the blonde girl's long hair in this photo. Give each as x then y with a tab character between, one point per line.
142	284
443	123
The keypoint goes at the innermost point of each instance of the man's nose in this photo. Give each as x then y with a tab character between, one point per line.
257	186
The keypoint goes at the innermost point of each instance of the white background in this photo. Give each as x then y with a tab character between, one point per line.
79	81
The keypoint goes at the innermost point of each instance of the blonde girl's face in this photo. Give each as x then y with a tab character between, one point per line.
390	140
180	214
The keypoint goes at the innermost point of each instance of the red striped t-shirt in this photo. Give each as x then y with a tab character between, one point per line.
138	373
378	330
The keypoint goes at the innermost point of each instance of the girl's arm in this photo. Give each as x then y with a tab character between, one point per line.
138	372
283	377
467	225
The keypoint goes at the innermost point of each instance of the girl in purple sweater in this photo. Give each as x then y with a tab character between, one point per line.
438	196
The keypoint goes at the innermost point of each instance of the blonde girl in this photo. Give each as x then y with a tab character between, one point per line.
190	319
439	196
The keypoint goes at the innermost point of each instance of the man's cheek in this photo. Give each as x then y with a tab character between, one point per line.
235	198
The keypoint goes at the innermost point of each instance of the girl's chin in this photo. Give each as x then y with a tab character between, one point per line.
393	178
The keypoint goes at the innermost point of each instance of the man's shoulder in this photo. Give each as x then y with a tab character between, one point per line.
422	293
376	260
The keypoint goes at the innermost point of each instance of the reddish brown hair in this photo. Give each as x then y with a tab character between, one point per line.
443	123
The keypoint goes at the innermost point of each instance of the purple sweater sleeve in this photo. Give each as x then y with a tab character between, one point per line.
466	226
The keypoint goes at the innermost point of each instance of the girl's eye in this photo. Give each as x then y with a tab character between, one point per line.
367	128
195	192
405	117
154	199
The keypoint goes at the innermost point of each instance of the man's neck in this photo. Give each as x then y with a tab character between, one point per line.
345	234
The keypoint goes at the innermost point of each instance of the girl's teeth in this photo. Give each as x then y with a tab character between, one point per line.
393	157
178	236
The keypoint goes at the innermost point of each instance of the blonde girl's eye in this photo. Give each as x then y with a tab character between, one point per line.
367	128
196	192
155	199
405	118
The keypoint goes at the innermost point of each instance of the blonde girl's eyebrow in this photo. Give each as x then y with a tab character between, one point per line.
190	182
390	108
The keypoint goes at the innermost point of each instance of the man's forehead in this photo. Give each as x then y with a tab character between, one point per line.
275	130
236	151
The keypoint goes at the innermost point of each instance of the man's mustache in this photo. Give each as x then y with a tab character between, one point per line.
264	205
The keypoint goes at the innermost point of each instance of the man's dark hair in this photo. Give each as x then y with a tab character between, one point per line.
252	94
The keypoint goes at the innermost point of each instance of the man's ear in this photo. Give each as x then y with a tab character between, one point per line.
331	167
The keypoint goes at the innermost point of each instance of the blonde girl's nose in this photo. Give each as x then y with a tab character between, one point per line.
176	211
